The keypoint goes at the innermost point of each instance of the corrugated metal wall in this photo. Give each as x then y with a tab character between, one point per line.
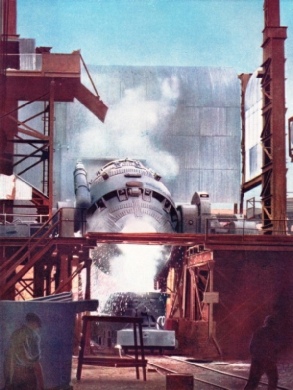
253	127
182	122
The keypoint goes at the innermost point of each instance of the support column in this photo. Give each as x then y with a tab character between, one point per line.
88	264
51	148
274	192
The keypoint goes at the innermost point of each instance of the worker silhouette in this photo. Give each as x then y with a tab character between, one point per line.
264	348
22	368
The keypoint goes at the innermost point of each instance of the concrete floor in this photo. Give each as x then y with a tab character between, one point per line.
108	378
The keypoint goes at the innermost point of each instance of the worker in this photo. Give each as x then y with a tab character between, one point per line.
22	368
264	348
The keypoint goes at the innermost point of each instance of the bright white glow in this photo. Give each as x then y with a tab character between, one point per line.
135	268
135	225
131	271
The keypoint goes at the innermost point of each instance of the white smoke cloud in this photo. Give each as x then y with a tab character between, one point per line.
134	128
133	270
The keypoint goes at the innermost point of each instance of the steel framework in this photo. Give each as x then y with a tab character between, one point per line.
273	176
273	134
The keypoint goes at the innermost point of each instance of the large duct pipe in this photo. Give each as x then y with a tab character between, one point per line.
82	195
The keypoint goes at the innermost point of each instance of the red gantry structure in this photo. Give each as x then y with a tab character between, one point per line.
29	75
273	137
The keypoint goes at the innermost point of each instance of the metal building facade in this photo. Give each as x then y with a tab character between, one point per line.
182	122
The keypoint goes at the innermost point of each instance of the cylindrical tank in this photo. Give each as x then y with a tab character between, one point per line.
128	197
243	227
82	195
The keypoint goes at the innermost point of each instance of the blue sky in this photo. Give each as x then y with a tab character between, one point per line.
152	32
226	33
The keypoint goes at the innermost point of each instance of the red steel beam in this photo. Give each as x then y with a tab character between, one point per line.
273	136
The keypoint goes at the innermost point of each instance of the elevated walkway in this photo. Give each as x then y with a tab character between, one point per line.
64	69
55	238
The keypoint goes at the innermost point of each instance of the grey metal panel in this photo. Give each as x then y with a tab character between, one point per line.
213	121
227	153
192	153
208	147
224	188
199	86
186	121
207	183
191	147
26	46
211	86
253	91
28	56
190	114
232	122
253	127
182	189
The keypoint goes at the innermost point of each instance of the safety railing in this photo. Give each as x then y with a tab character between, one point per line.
37	225
13	218
36	246
246	227
67	220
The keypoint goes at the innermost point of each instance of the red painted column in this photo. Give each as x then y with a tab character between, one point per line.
273	134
